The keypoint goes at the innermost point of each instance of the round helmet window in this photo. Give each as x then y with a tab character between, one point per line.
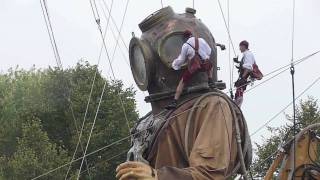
170	47
138	53
139	65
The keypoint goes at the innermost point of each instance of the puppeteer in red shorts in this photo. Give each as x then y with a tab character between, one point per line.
196	53
247	69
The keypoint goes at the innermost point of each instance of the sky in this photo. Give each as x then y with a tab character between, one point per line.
266	24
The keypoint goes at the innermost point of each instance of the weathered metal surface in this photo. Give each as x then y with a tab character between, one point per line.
143	134
151	55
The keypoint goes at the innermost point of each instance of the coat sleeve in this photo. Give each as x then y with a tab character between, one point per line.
212	150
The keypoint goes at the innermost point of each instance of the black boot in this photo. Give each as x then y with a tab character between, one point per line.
210	82
172	105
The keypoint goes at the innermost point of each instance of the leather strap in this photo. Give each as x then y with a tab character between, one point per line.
196	47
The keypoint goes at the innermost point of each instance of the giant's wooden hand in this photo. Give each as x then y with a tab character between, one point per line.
135	171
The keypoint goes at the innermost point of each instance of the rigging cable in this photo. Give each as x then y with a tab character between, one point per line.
276	115
292	71
104	4
107	160
89	98
226	25
47	19
231	64
265	160
122	39
94	121
102	93
119	35
110	62
114	23
114	33
81	146
127	61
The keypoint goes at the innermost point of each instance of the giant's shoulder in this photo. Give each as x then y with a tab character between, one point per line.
218	98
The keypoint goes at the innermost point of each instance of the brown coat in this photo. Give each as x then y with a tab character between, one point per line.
212	143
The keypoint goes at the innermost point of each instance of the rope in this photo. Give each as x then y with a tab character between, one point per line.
293	29
231	64
264	161
239	143
122	39
110	61
230	42
161	3
76	126
296	62
89	98
96	15
227	28
113	157
103	4
114	23
292	71
276	115
45	12
112	144
92	127
46	15
117	41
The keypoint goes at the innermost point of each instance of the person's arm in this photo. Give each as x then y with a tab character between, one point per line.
207	49
177	63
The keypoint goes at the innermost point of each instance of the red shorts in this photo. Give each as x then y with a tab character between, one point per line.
240	91
204	67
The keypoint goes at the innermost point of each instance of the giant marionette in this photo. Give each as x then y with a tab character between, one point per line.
205	135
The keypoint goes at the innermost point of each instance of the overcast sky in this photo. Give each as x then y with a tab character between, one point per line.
266	24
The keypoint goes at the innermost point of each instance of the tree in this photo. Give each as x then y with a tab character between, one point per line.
35	154
52	102
308	113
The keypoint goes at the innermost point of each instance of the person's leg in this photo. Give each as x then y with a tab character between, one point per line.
239	96
239	101
210	74
179	89
185	78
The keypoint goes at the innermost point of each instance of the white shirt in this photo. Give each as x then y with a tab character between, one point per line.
187	52
248	60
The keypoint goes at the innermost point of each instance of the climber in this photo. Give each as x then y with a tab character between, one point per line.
245	67
196	52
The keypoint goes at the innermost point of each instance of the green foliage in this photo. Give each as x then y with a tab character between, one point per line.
307	113
41	113
35	154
